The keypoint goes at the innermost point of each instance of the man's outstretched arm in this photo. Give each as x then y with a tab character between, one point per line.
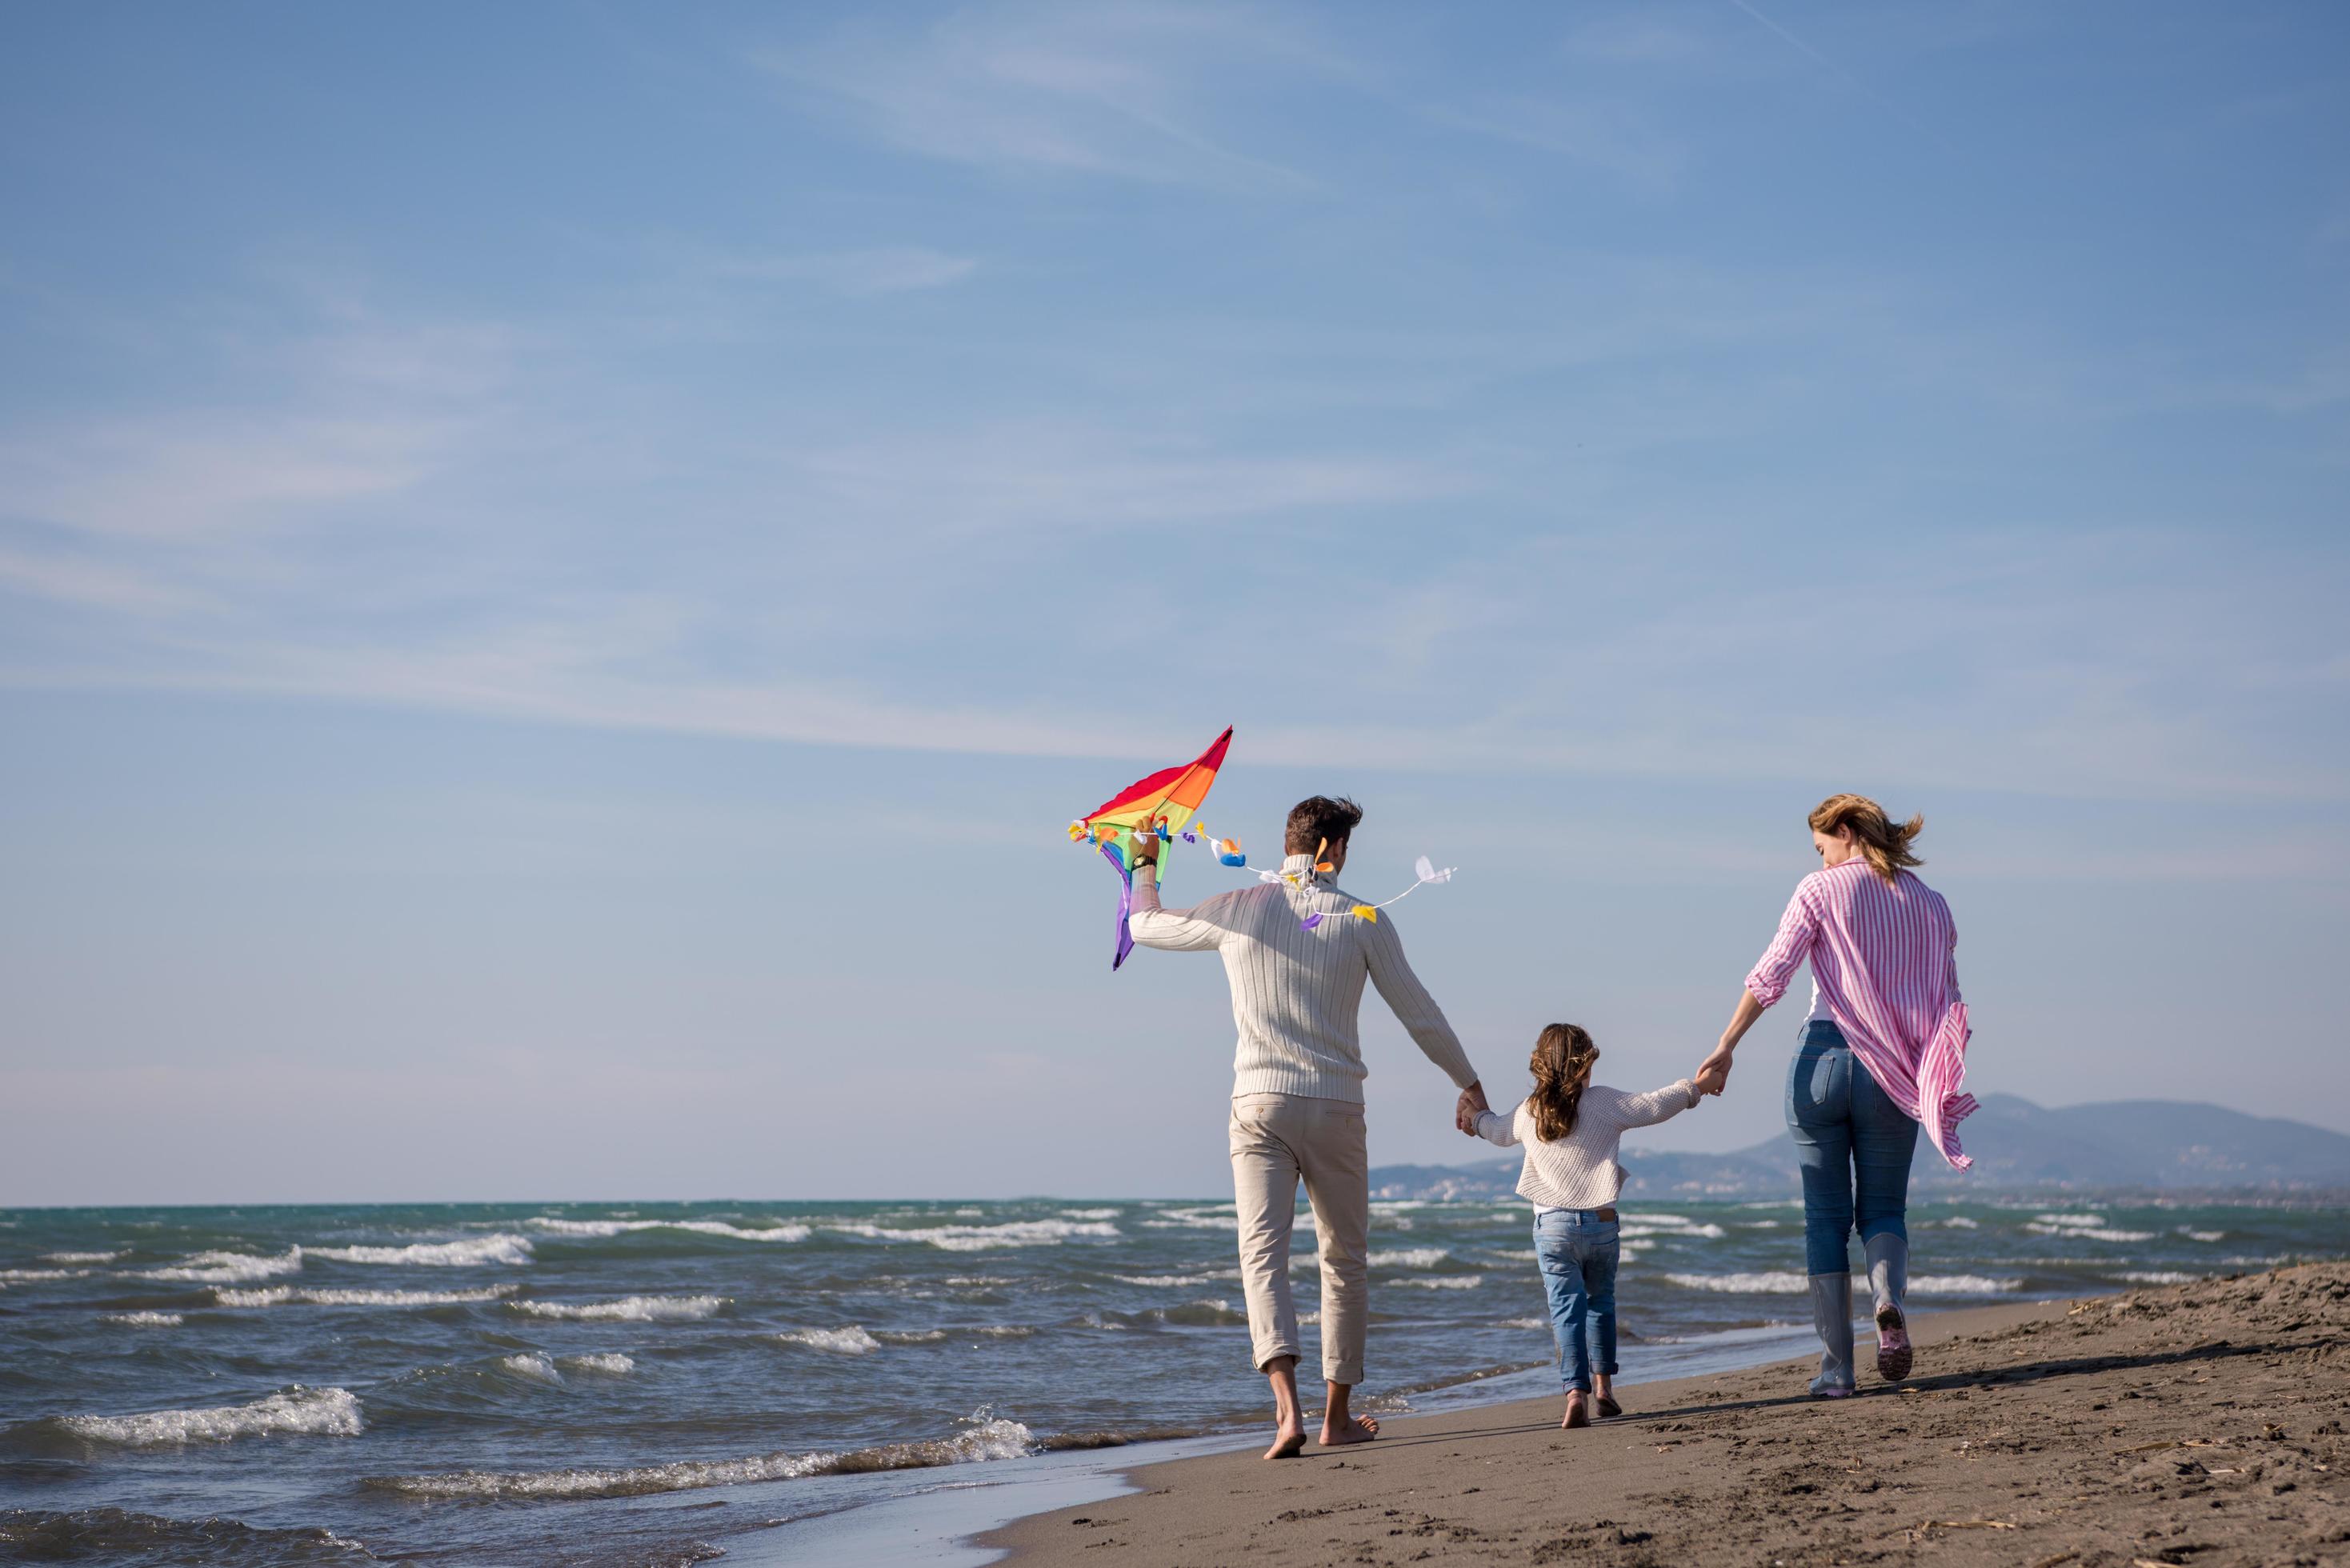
1174	930
1422	1019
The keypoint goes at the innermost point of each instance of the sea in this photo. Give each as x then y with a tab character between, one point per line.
627	1386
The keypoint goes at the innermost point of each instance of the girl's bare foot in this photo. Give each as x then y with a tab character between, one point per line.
1358	1429
1578	1414
1288	1439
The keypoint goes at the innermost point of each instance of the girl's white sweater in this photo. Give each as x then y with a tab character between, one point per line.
1580	1170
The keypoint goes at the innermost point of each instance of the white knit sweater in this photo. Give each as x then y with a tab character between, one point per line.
1295	993
1579	1170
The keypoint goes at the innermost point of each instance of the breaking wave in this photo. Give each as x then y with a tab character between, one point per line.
275	1295
316	1412
979	1238
839	1341
605	1228
628	1309
1409	1258
229	1268
611	1365
985	1438
1961	1285
146	1319
1773	1283
511	1251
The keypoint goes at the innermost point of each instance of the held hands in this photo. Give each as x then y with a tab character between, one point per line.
1466	1109
1713	1073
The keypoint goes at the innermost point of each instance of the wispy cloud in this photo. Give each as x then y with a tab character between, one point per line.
883	269
1602	135
1125	91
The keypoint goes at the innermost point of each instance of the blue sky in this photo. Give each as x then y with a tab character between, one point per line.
562	569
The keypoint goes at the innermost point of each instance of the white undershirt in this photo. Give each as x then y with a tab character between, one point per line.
1819	1005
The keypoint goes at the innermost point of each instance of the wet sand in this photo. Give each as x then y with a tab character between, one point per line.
2196	1424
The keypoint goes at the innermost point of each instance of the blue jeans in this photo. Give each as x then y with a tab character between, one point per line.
1854	1146
1578	1251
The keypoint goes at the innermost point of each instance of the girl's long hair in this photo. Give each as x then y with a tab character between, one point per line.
1562	1059
1884	842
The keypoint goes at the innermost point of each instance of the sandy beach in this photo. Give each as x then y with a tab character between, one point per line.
2198	1424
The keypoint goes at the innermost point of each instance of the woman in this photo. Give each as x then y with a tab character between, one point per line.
1883	1050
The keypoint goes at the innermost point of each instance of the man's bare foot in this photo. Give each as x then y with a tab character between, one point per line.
1288	1441
1358	1429
1578	1413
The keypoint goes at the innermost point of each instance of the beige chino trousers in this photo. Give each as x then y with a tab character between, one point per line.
1276	1139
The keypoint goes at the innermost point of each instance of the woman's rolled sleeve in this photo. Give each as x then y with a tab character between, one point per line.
1768	980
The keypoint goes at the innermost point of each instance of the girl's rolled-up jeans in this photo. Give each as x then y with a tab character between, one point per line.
1853	1146
1577	1251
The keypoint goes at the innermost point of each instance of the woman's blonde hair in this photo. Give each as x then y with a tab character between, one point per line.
1562	1059
1884	842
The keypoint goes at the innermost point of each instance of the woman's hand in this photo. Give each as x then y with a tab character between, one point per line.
1713	1072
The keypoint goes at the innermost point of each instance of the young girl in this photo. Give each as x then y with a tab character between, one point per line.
1570	1127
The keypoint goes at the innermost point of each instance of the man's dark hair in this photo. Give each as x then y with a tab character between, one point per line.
1318	818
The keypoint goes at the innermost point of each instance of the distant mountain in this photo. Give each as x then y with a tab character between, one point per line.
2156	1145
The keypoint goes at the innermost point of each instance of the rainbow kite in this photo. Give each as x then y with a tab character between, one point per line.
1161	805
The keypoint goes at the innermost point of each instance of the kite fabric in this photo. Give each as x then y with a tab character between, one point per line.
1161	805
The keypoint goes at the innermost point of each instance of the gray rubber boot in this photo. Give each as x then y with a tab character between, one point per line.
1832	1317
1889	1282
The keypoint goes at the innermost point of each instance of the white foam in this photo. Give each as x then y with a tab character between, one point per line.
1959	1222
1961	1285
511	1250
533	1365
851	1340
628	1309
318	1412
608	1365
275	1295
699	1227
1707	1233
2160	1277
1540	1322
2203	1235
146	1319
1772	1283
1197	1218
2072	1232
1446	1282
79	1257
987	1439
229	1268
1409	1258
42	1273
979	1238
1090	1213
2088	1218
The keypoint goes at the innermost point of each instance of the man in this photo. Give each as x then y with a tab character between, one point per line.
1297	1089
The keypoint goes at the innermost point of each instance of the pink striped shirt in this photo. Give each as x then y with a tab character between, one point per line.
1886	960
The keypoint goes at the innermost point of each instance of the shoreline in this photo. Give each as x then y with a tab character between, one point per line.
2199	1422
967	1517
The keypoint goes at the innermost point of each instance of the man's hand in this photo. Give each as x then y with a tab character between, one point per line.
1143	850
1465	1112
1713	1073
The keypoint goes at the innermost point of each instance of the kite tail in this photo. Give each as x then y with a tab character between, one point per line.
1125	902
